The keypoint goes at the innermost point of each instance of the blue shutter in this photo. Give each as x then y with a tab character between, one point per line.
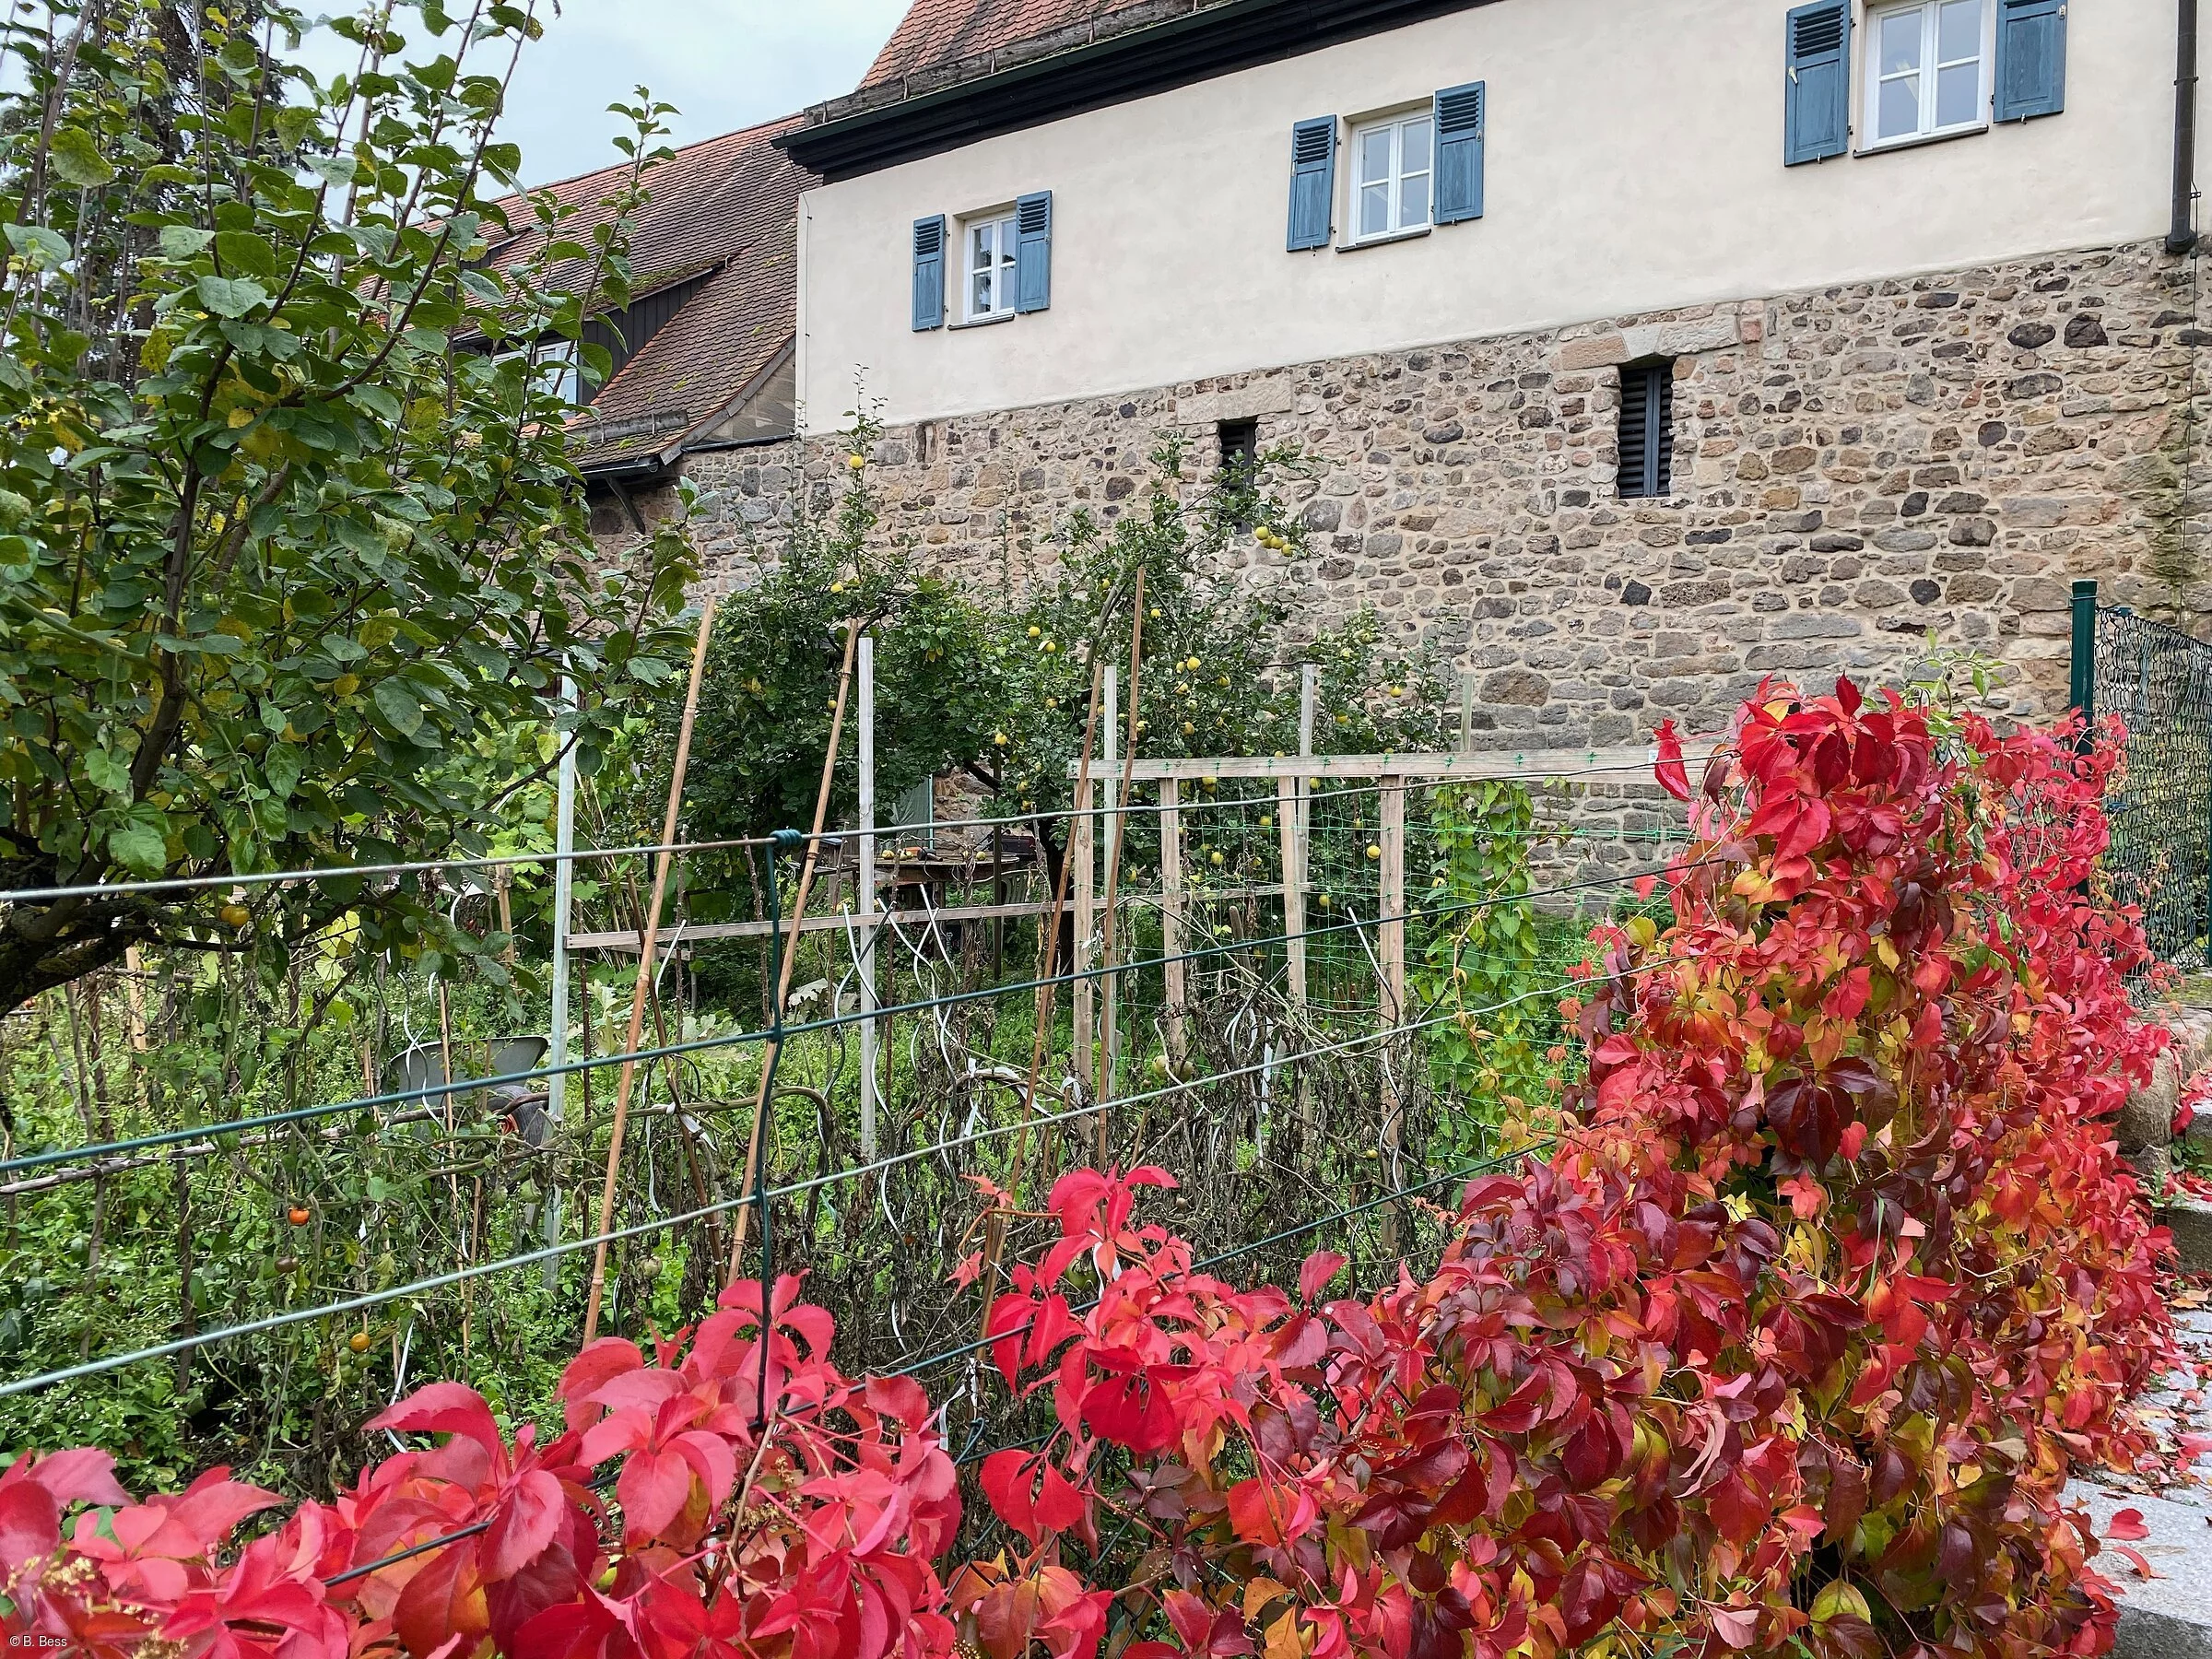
929	273
1033	253
1817	91
1460	115
2031	58
1313	181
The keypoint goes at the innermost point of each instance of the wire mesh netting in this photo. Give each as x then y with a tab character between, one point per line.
2158	680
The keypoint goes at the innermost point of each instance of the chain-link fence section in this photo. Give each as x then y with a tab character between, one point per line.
2158	680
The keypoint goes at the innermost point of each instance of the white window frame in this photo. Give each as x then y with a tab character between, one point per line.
1000	222
1931	64
1395	124
555	366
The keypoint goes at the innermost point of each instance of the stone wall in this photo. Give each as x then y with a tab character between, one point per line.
1854	468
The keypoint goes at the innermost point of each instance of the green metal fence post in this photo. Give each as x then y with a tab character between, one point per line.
2082	694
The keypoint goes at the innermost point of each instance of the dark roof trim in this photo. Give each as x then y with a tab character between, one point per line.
1194	47
687	440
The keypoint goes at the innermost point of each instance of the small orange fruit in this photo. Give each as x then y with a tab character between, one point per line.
298	1215
235	915
359	1342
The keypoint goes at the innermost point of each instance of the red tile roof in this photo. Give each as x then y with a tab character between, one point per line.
937	33
725	209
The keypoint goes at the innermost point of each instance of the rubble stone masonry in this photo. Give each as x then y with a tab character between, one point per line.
1854	468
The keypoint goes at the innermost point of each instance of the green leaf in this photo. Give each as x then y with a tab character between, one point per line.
75	158
331	170
139	846
40	245
396	701
108	771
281	767
243	250
231	296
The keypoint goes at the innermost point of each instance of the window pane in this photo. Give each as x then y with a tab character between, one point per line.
1374	156
1901	41
1958	90
1414	154
1374	209
1413	200
1901	107
1960	34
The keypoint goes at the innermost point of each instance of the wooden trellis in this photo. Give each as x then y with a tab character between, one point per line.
1295	778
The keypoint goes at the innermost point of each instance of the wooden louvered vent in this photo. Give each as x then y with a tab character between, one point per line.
1459	110
1647	437
1816	32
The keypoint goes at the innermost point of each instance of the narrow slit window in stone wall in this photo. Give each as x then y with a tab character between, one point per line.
1647	434
1239	442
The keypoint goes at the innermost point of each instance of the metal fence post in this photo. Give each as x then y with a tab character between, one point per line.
2082	693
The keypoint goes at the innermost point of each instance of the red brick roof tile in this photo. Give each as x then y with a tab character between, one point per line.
725	209
938	32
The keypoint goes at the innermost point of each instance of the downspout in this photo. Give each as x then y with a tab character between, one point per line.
2182	236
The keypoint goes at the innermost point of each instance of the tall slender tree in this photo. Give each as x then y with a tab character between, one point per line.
291	560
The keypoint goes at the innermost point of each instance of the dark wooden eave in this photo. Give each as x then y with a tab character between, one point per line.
1218	41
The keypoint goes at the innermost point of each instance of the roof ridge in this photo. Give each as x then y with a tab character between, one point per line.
759	130
936	35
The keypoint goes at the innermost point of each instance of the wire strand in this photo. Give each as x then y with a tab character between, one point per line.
968	1457
553	1252
37	1161
179	884
1229	1255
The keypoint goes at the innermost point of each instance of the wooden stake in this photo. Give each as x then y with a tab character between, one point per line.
502	878
648	949
755	1148
1082	859
994	1227
1173	990
1391	937
1113	868
1301	835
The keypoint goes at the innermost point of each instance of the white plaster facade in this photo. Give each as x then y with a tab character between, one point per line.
1634	163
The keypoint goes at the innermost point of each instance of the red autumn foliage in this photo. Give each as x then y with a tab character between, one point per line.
1831	1278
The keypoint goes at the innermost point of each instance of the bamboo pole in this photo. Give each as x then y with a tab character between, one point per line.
649	947
755	1146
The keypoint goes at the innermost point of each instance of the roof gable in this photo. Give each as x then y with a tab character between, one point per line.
720	219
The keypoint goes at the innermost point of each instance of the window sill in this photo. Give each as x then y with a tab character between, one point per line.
1918	139
1382	241
984	322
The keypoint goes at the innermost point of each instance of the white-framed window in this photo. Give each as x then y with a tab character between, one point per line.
553	365
1393	165
987	287
1927	69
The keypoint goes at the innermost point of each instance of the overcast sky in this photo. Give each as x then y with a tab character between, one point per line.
724	64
